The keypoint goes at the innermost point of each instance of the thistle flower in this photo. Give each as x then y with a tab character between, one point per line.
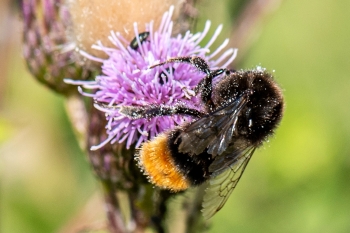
126	79
45	50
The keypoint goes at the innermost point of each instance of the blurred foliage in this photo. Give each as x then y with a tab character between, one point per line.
298	182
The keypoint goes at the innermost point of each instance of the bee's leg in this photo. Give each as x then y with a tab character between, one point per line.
198	62
157	110
205	85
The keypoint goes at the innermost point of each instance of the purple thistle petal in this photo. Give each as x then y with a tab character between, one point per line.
126	79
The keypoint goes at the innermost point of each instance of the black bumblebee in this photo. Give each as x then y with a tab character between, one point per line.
240	112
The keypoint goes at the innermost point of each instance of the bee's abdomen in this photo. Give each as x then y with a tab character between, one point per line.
169	169
157	162
194	167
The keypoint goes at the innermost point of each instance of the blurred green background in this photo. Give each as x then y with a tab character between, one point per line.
298	182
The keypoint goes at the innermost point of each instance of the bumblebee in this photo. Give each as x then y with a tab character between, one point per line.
240	112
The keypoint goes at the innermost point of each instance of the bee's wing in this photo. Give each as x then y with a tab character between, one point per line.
214	131
223	181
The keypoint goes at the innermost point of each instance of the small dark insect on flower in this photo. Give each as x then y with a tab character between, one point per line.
240	111
134	44
163	77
